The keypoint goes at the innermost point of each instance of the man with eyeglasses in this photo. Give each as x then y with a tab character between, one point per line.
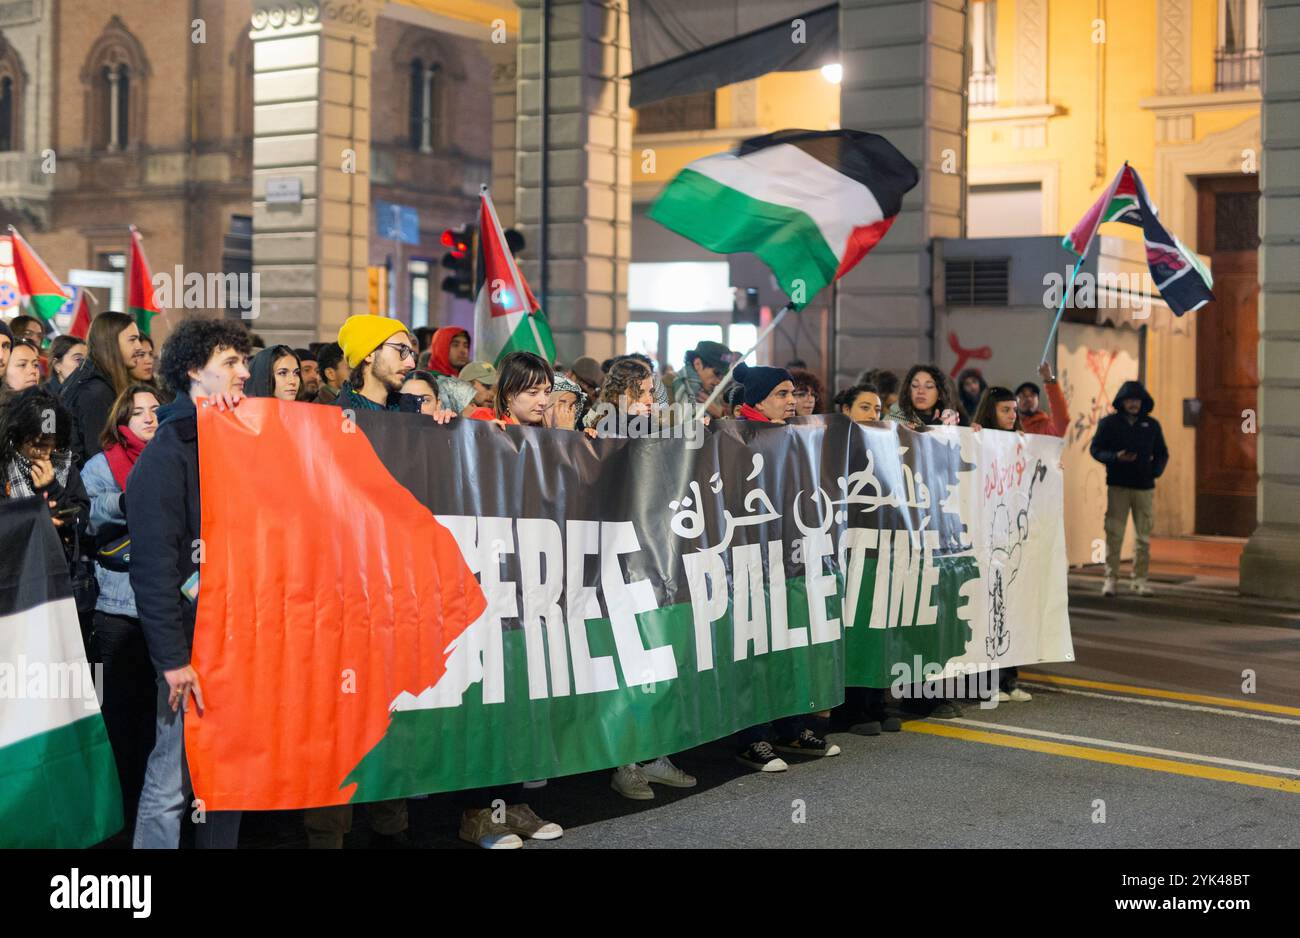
381	353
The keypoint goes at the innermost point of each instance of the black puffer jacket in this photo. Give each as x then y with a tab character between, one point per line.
1139	435
88	394
162	514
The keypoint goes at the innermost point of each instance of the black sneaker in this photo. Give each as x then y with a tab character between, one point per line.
890	724
946	710
760	756
866	728
398	841
808	743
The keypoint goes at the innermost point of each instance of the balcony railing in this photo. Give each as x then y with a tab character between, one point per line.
1235	69
983	89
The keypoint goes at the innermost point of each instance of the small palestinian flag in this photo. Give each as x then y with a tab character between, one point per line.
507	317
81	318
1183	281
58	779
45	295
141	300
810	204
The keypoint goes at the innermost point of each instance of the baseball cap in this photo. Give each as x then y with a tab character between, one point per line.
483	372
714	355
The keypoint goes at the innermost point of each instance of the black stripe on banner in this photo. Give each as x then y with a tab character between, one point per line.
864	157
33	570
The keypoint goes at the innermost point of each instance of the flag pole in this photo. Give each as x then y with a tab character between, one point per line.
1065	294
763	334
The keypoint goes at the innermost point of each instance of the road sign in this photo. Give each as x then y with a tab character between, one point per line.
397	222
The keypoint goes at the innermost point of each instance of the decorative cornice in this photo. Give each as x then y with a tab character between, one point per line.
1018	113
1216	101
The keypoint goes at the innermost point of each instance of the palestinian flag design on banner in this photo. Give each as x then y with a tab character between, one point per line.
45	295
501	604
58	780
507	317
140	301
810	204
1183	281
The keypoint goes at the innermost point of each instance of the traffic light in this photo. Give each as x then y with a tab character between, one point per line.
376	294
462	260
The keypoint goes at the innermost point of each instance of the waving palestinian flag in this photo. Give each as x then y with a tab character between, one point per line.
811	204
141	300
58	780
507	317
1183	281
45	295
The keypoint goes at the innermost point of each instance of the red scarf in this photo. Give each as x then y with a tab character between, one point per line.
752	413
122	456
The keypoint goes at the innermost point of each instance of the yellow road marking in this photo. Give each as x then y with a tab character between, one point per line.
1214	773
1165	694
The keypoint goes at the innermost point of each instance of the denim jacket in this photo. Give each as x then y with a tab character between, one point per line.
115	594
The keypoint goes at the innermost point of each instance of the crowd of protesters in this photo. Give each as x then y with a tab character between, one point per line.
107	435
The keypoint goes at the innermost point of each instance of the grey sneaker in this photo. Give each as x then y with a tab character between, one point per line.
630	782
477	827
663	772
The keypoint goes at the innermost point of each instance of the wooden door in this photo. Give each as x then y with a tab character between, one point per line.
1227	349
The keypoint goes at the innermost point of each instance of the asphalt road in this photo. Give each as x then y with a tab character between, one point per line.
1146	740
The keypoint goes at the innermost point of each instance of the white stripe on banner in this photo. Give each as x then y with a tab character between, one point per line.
786	175
45	680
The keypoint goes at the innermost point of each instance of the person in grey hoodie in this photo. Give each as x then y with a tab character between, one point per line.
1131	445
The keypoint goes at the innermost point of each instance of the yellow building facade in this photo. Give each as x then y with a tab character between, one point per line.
1061	93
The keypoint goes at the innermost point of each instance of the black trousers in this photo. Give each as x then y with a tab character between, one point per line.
129	698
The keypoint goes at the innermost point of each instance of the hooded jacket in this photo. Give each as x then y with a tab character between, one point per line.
440	351
1141	436
88	394
162	516
261	371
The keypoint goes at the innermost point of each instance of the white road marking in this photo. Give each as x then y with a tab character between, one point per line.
1130	747
1173	704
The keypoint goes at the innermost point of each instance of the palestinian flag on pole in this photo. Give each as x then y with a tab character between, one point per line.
810	204
45	295
58	780
140	300
507	317
1183	281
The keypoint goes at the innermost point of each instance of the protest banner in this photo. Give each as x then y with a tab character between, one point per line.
400	608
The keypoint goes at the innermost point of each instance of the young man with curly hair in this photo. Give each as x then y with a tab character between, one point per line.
205	362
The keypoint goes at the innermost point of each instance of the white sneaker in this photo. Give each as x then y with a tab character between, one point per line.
1140	587
1018	695
1108	588
1003	696
663	772
630	782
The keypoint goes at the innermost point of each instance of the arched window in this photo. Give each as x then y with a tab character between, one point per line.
427	68
424	105
13	80
114	77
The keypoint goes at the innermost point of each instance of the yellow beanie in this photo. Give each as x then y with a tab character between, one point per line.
364	333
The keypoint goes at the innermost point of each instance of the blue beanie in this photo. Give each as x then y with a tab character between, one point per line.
759	380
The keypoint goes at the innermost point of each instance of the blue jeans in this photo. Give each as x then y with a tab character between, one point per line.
168	792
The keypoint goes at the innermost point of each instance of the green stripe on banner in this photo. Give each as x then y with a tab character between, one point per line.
426	750
729	222
55	790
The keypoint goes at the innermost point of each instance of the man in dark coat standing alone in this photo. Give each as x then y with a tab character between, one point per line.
1130	444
